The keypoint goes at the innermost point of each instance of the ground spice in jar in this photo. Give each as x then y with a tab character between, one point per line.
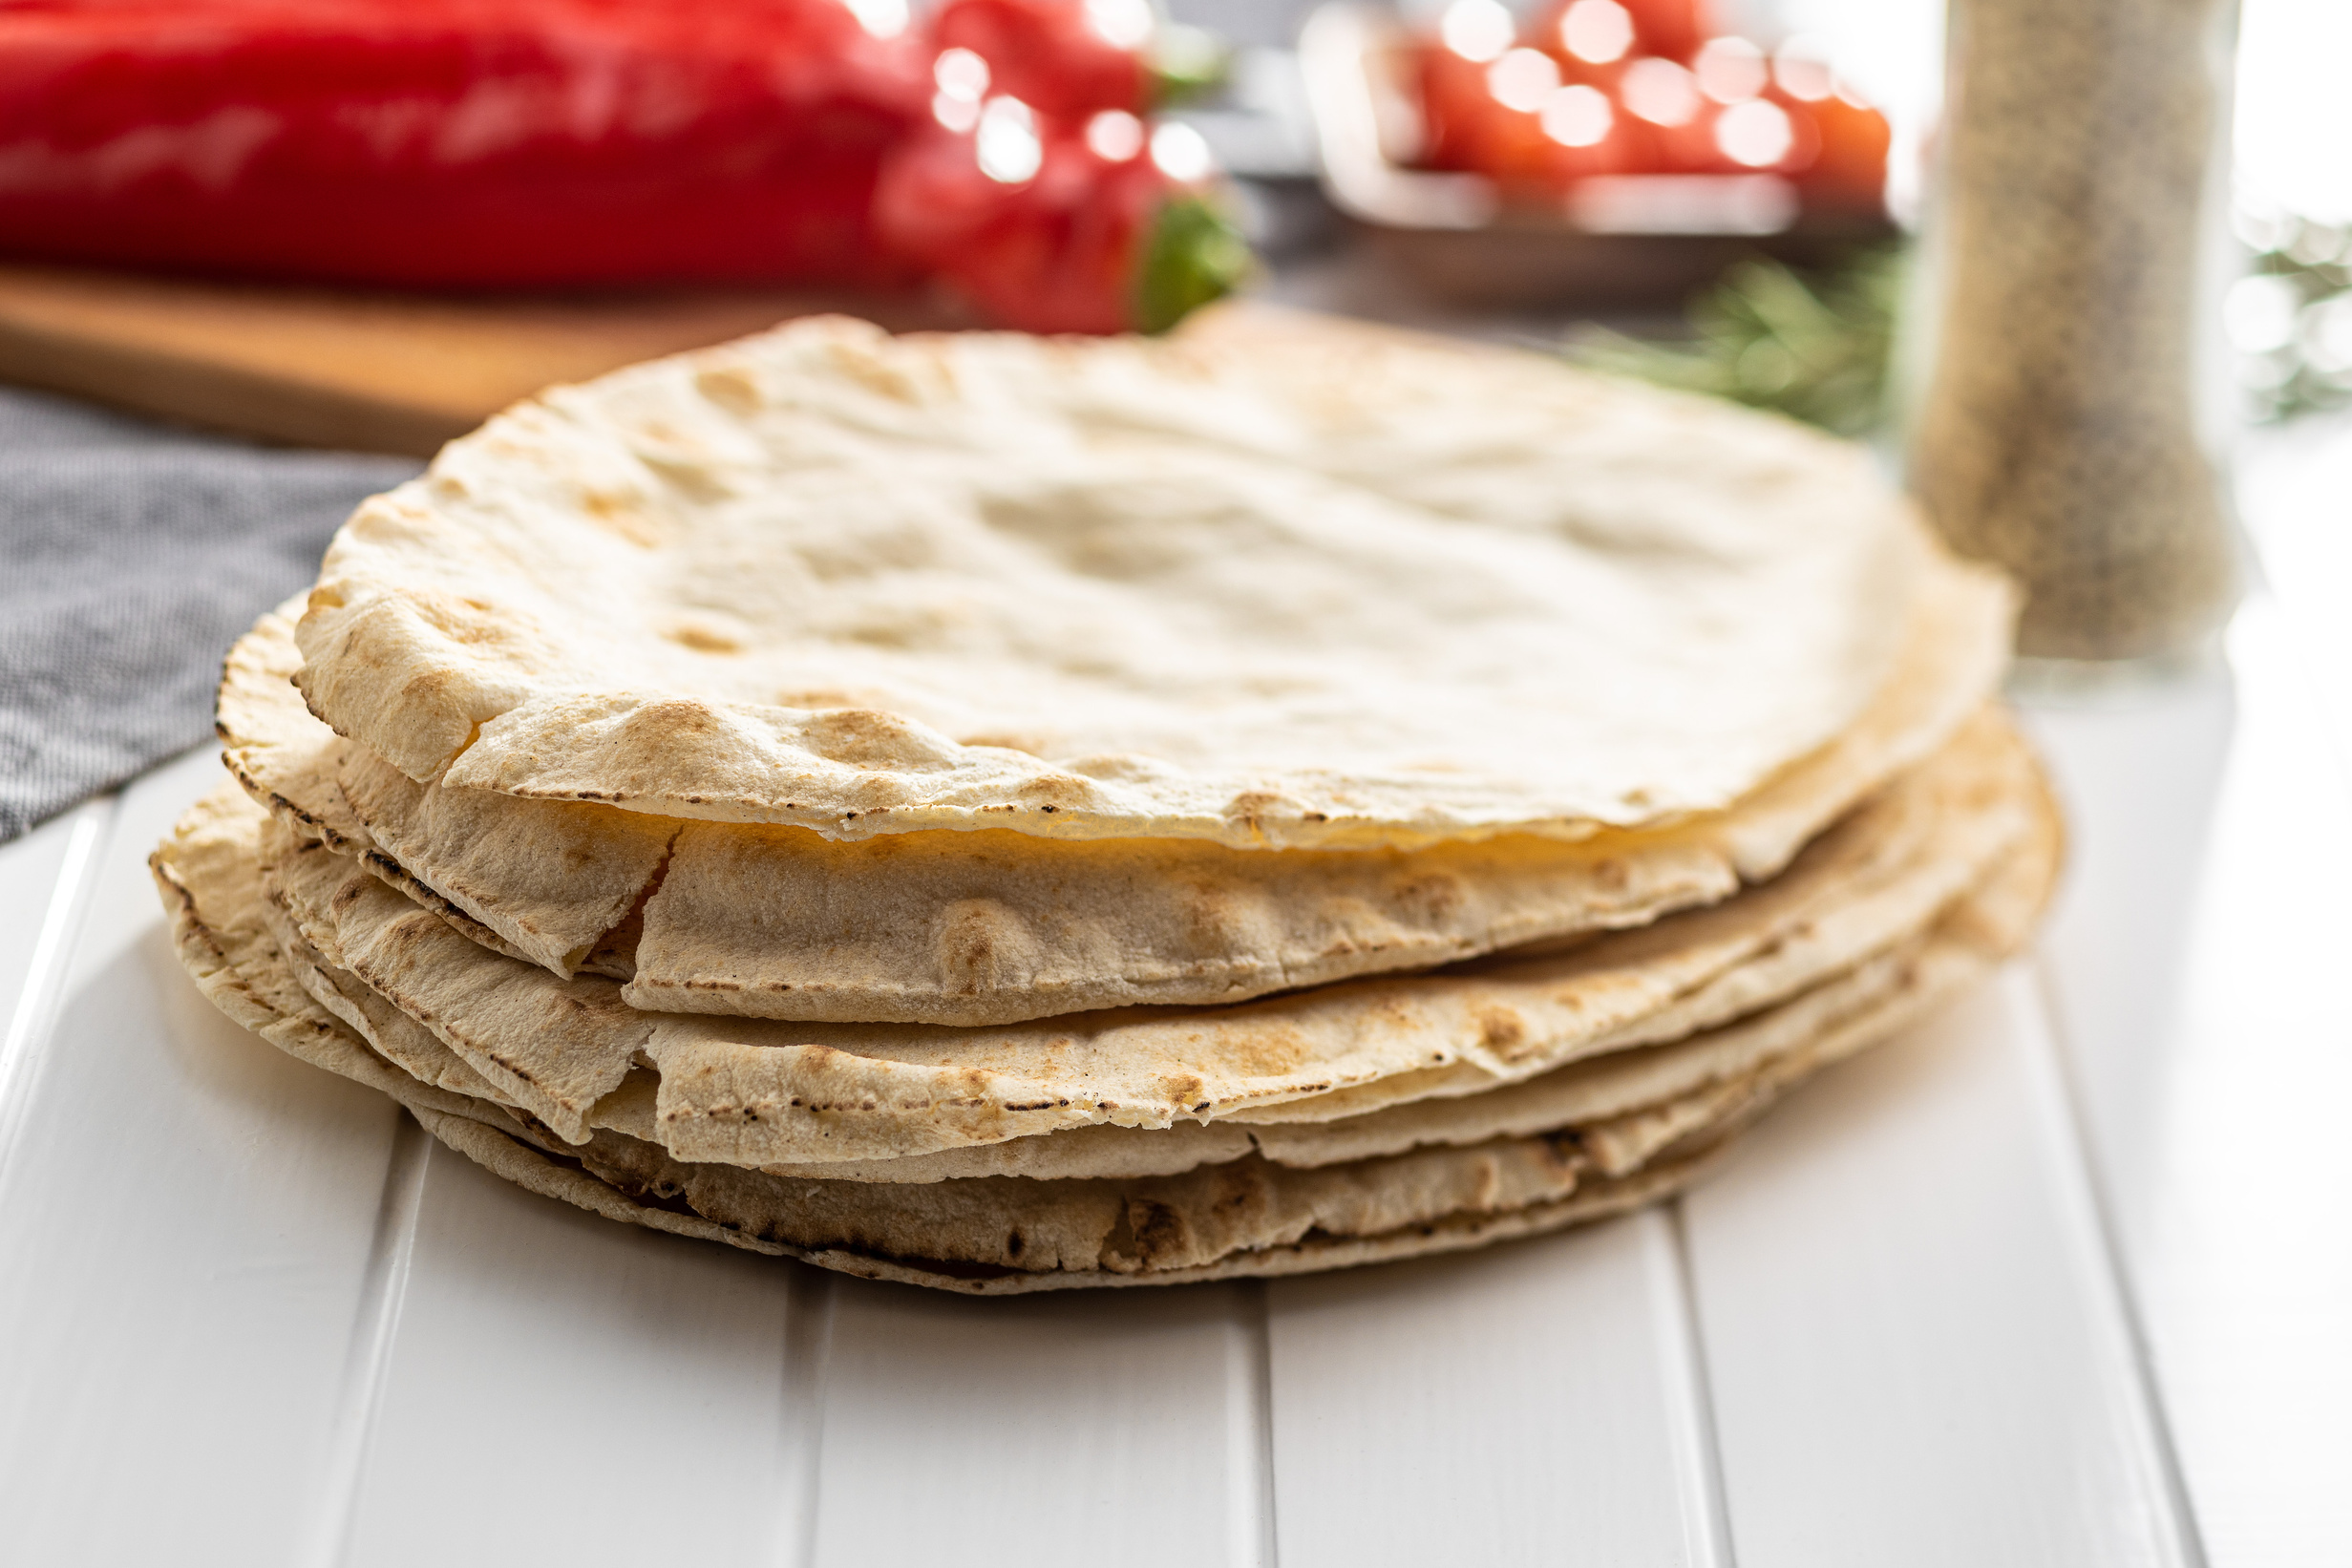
2058	434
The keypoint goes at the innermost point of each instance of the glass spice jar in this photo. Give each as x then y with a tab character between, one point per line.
2074	418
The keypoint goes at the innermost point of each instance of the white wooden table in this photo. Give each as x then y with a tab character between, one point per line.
2065	1279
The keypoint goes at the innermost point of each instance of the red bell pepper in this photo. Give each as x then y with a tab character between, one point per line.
436	143
1062	57
1070	58
1062	226
503	144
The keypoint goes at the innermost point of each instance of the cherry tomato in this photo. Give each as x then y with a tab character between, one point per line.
1454	107
1672	29
1850	172
1668	119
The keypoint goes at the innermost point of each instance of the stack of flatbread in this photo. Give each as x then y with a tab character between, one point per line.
1008	814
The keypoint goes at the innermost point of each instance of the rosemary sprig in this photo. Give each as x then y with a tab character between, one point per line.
1813	348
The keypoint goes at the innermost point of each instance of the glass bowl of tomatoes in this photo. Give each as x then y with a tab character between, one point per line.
1607	152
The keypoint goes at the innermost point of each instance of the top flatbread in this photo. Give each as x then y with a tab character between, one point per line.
994	927
1274	581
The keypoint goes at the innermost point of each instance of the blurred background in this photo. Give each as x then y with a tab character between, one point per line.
360	228
1811	339
1718	194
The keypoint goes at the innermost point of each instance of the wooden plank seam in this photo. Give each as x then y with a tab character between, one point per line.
1249	1430
809	1305
32	1020
367	1365
2088	1215
1691	1410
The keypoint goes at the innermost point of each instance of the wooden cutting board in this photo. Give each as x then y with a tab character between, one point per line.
359	371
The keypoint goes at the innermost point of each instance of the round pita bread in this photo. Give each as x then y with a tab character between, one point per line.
1280	582
990	1235
991	926
756	1092
1962	940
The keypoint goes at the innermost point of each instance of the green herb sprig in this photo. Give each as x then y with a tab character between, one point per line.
1812	347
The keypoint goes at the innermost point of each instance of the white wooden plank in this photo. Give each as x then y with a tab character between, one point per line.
1076	1429
1915	1344
1534	1402
2295	494
2139	779
2196	967
185	1215
565	1388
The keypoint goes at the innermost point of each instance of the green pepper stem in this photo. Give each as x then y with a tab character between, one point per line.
1195	255
1183	63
